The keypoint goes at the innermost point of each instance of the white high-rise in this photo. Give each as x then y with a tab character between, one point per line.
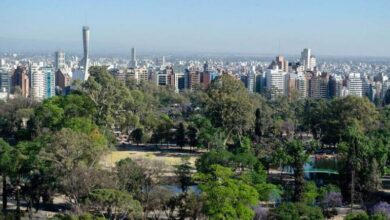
42	82
355	84
275	81
37	82
308	61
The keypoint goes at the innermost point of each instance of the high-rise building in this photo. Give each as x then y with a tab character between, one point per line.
336	86
193	78
50	82
62	79
84	63
180	82
275	81
42	82
21	80
5	79
37	82
296	85
163	61
59	60
282	63
308	61
319	85
355	84
133	61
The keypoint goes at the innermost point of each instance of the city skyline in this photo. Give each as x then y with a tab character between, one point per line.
348	28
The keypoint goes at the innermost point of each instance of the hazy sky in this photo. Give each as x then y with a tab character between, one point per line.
329	27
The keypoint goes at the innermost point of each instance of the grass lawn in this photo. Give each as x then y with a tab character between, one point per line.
169	158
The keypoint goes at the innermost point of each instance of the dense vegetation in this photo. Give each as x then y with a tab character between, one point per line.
55	148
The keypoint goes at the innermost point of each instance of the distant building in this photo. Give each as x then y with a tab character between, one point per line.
133	60
5	80
49	82
59	60
336	86
319	85
308	61
42	82
62	79
275	81
193	79
21	80
84	63
355	84
180	82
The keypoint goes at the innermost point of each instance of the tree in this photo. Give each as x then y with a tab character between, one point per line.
258	123
118	204
5	168
386	99
228	105
192	134
226	197
180	136
74	156
137	135
140	178
183	173
359	174
220	157
297	156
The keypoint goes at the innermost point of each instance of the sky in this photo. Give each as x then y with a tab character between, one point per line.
264	27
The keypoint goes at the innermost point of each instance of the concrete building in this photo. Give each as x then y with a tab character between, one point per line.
193	78
21	81
355	84
336	85
49	82
275	81
319	85
133	59
180	82
59	60
37	82
5	79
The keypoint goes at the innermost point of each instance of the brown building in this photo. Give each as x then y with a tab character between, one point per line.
193	79
21	80
62	79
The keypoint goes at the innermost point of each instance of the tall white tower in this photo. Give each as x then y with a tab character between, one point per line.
85	61
133	62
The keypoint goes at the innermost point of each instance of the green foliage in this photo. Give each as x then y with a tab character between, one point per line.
220	157
228	105
295	211
361	215
311	193
297	155
226	197
183	173
119	204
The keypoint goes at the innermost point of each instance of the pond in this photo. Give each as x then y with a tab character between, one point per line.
322	169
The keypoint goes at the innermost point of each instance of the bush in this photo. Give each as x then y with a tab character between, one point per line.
292	211
357	216
261	213
381	208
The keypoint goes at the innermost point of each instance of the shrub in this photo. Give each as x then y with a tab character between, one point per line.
381	208
292	211
357	216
